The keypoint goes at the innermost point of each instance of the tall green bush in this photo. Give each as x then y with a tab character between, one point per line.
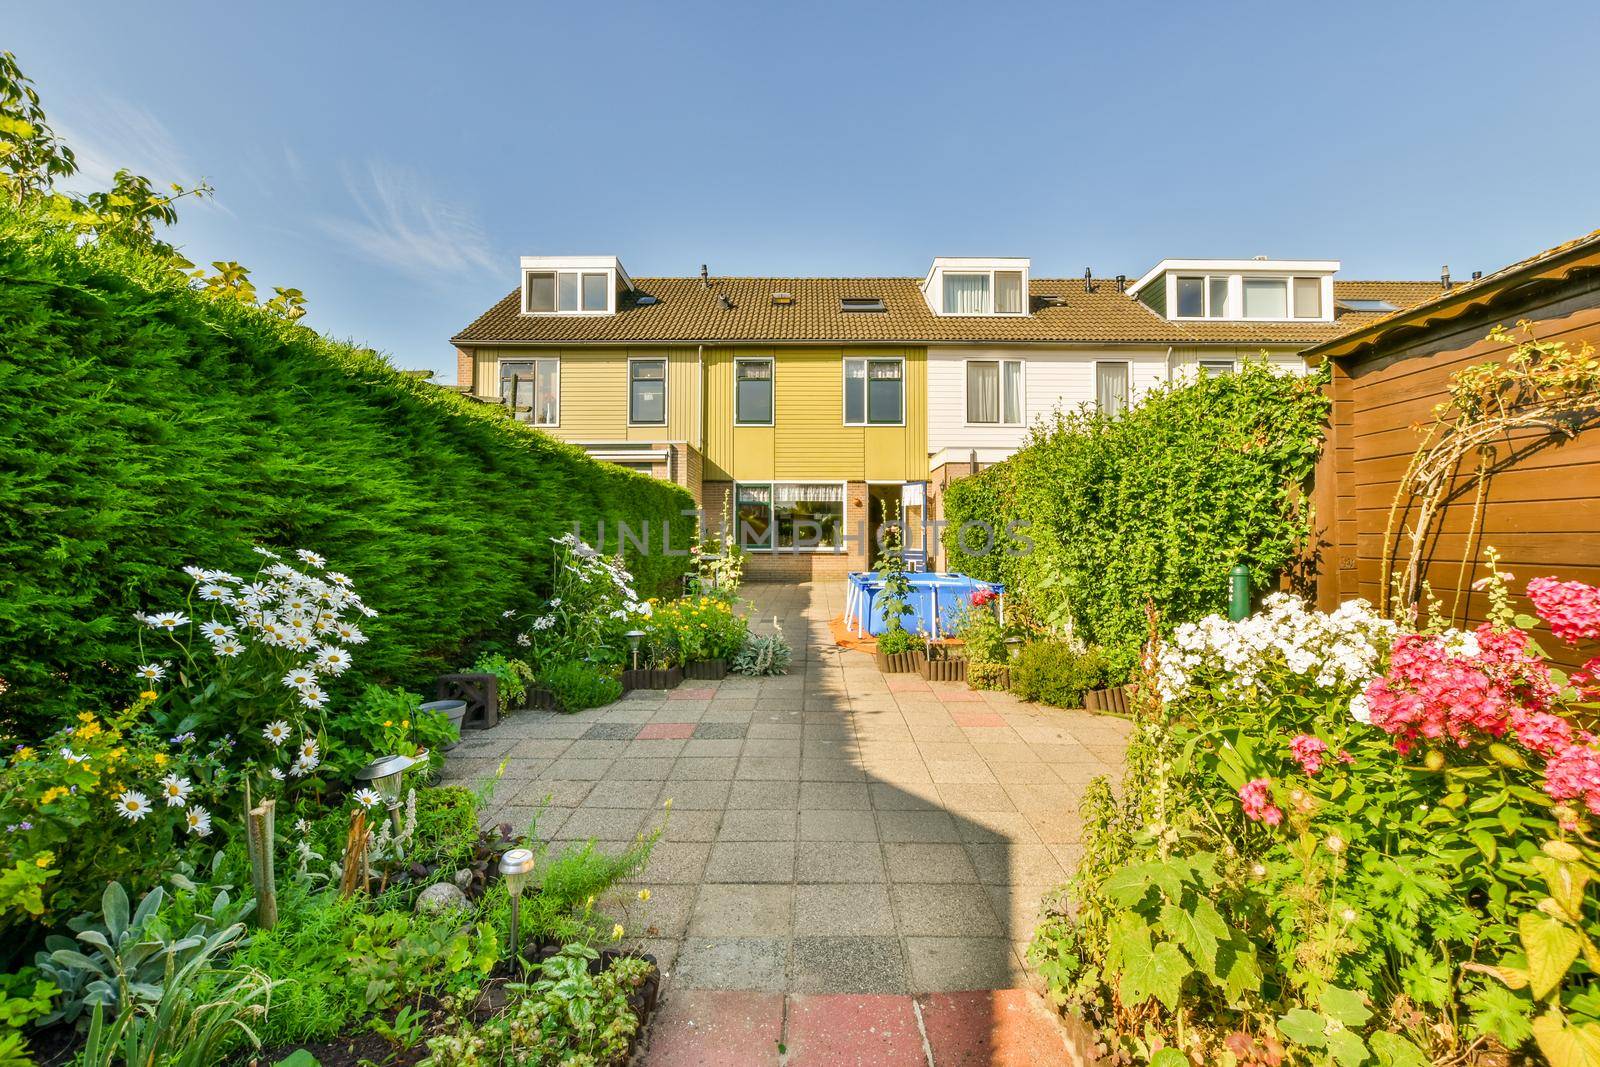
1156	505
144	427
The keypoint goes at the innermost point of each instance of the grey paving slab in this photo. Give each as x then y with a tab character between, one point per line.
848	965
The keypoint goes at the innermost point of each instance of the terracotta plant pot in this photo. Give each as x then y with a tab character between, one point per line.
709	670
652	678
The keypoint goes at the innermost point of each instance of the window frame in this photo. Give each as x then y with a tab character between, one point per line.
1207	312
772	391
534	361
580	274
1232	366
1236	283
989	309
866	396
772	515
1127	398
666	389
1022	391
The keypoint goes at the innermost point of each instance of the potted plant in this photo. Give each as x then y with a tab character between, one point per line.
899	650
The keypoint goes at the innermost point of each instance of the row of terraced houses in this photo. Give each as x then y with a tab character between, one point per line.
812	409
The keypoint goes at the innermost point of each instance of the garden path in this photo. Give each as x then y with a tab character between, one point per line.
832	831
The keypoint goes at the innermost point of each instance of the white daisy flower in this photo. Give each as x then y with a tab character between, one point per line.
524	640
166	620
71	756
216	631
276	732
195	572
303	640
198	820
300	677
258	550
272	633
308	748
213	591
368	612
304	766
367	797
151	672
307	556
349	633
276	774
227	649
133	806
339	579
333	659
176	790
312	697
507	614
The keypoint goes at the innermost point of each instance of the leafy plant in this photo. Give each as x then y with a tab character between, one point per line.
511	676
200	1013
763	654
897	640
577	685
1057	673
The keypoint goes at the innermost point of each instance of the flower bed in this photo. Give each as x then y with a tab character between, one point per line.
1342	840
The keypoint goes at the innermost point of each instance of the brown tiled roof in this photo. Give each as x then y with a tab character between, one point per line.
687	311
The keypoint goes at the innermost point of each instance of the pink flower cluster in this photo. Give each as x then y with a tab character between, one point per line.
1255	796
1493	685
981	597
1571	608
1308	751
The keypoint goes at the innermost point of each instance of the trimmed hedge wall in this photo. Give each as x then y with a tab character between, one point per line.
144	427
1156	505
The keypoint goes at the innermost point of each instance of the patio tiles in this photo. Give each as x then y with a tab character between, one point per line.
977	718
696	1028
720	731
848	964
665	730
962	696
853	1030
609	731
1000	1028
685	693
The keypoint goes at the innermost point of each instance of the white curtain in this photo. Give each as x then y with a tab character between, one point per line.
1012	370
983	392
1111	387
790	495
966	294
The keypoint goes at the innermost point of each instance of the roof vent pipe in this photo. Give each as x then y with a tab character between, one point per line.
1088	280
725	301
705	278
1122	283
1477	274
1444	277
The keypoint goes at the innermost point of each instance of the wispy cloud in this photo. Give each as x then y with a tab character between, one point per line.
115	135
405	226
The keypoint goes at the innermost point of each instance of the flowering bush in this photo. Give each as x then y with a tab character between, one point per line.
592	606
695	628
717	561
1346	840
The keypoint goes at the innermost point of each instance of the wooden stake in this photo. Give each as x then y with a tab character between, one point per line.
259	826
354	876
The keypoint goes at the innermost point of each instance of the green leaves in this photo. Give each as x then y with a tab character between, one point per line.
1552	947
1147	970
1198	927
1335	1028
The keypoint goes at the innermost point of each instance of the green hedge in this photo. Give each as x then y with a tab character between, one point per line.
144	427
1157	505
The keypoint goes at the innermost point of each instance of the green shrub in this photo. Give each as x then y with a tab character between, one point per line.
144	426
1155	505
985	675
763	654
577	685
1057	673
511	677
897	639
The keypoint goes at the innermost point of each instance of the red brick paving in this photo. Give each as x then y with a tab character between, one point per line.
853	1030
705	1028
977	718
999	1028
657	731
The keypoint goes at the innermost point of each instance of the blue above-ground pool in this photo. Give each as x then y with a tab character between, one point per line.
937	602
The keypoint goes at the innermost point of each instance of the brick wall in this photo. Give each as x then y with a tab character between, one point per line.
464	368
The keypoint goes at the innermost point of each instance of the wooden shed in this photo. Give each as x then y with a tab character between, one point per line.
1539	501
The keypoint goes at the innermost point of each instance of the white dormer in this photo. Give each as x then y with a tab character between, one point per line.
977	286
1252	290
572	285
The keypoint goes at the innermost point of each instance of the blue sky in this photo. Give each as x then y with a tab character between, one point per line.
393	160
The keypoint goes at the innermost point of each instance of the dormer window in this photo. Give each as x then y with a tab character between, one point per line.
574	285
977	287
1259	290
1203	296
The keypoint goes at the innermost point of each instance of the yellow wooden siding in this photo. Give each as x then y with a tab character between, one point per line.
594	391
809	438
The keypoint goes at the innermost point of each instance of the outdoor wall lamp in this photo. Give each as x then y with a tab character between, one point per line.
515	867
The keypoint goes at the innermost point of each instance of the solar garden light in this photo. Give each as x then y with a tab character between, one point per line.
515	867
387	774
1013	646
634	637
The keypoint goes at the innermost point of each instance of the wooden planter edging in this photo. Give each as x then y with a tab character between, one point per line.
709	670
899	663
480	691
944	668
542	700
1115	700
652	678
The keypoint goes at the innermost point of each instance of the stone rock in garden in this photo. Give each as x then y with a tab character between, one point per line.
463	879
439	898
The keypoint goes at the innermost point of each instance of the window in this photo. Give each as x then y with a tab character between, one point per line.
567	291
860	303
874	392
994	391
1111	387
647	392
1215	368
752	392
1008	292
1203	296
532	389
1367	305
1308	298
966	294
792	515
1266	298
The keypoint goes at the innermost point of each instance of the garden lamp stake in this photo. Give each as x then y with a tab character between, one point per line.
515	867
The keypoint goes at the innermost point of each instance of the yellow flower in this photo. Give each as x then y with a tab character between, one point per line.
52	793
667	803
617	932
161	759
148	694
86	716
87	730
644	895
24	753
43	859
388	723
405	724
